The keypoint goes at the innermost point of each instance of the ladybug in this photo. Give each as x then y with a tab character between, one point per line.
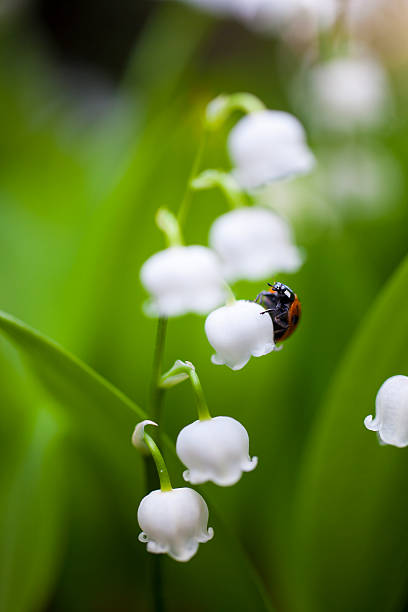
284	308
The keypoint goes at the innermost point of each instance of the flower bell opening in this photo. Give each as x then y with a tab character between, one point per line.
174	522
239	331
391	412
215	450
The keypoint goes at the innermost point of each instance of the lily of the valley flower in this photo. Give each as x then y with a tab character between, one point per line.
268	145
237	331
174	522
215	449
349	92
391	412
183	279
254	243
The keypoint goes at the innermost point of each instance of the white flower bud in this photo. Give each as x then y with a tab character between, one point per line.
254	243
238	331
268	145
347	92
391	412
174	522
183	279
137	436
216	449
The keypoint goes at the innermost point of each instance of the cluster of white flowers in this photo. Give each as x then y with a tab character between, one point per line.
174	521
252	243
248	243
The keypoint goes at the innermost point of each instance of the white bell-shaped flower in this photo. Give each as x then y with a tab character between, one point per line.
174	522
349	92
215	449
391	412
183	279
268	145
254	243
237	331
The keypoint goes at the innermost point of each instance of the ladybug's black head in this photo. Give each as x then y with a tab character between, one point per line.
285	293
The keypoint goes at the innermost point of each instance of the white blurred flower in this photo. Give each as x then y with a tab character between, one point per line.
237	331
391	412
269	15
216	449
183	279
361	180
268	145
254	243
348	92
174	522
359	11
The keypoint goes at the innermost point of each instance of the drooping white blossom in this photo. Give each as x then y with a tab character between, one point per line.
216	450
348	92
268	145
174	522
391	412
183	279
239	331
254	243
361	180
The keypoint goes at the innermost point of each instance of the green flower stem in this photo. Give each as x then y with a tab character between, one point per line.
219	109
170	227
165	484
156	401
202	408
181	371
186	201
157	391
224	181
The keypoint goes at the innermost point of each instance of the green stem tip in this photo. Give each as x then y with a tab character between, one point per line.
224	181
169	225
183	370
142	441
219	109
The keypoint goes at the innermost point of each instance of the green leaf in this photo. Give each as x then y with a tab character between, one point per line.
350	538
32	517
99	416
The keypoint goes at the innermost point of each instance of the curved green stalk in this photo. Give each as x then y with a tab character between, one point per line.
180	371
186	201
225	182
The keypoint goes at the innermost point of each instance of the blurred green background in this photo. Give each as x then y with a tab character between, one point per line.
101	110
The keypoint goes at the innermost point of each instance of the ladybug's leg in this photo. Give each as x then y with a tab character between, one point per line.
281	320
277	320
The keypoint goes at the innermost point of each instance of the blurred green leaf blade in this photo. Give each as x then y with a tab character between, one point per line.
32	518
350	542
